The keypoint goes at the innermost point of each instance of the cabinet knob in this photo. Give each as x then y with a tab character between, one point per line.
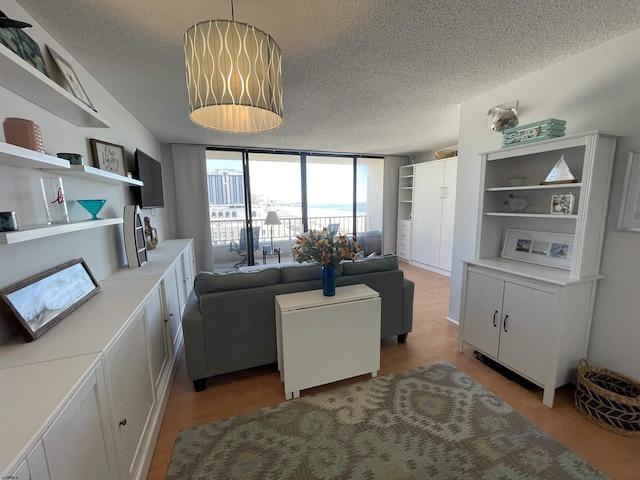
504	323
495	314
123	422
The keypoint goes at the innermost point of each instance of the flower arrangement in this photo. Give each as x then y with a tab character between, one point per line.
325	248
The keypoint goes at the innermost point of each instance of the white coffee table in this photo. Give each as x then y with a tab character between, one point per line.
324	339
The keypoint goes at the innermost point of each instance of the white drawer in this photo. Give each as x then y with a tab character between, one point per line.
404	226
402	253
404	235
403	244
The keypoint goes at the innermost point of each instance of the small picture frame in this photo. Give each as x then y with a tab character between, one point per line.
562	204
108	156
39	302
71	78
542	248
629	216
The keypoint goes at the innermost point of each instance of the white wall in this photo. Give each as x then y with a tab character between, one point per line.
102	248
595	90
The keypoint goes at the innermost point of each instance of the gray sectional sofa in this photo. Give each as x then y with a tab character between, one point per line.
229	321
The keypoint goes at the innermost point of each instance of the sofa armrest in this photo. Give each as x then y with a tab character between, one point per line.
407	304
194	338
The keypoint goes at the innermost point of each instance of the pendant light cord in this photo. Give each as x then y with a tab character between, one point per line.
233	18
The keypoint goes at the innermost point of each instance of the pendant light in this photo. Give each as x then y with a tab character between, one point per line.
234	76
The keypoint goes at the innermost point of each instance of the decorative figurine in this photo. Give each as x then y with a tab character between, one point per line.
151	234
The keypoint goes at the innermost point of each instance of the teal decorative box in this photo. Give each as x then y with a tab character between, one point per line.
533	132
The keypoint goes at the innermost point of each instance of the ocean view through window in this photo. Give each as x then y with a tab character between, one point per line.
340	192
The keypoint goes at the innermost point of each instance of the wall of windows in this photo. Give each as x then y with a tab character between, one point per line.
306	191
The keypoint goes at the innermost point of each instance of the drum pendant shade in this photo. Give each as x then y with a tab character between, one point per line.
234	77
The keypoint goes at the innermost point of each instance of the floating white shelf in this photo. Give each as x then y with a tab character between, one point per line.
24	80
530	215
95	174
554	186
41	231
15	156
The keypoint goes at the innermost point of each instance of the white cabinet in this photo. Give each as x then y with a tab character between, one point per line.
131	396
405	212
172	284
505	318
403	241
99	382
433	214
155	321
533	318
77	445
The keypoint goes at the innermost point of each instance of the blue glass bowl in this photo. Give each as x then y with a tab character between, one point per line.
92	206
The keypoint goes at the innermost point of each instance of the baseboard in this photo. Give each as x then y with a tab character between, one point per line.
455	322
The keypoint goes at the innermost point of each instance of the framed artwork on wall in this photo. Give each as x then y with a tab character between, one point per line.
108	156
543	248
39	302
629	217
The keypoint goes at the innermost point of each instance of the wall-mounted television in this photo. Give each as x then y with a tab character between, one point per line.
149	171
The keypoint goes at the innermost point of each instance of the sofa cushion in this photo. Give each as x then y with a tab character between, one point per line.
301	273
380	263
208	282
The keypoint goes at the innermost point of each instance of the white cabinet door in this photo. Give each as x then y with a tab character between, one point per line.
448	213
483	312
76	445
131	394
157	341
187	260
427	214
171	285
526	330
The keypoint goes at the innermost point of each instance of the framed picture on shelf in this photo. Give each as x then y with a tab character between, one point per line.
71	78
629	217
108	156
39	302
562	204
543	248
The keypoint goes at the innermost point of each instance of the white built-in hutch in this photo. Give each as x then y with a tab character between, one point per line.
85	400
535	319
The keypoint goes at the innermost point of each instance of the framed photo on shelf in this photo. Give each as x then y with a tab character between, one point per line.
562	204
39	302
629	217
108	156
71	78
542	248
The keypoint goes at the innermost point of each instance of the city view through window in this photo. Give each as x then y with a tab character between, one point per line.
275	183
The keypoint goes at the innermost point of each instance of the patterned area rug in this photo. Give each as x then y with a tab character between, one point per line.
432	422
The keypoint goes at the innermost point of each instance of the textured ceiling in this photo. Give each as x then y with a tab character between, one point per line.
360	76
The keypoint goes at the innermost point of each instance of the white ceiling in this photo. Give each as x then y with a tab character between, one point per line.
360	76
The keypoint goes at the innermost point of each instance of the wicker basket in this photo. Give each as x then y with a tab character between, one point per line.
608	399
440	154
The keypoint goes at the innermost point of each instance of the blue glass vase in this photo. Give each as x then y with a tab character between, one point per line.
328	281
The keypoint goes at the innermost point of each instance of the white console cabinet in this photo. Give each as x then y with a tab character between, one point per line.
86	400
533	318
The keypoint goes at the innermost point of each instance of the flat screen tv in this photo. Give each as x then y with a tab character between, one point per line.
149	171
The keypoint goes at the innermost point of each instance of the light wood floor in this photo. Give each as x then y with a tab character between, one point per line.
433	339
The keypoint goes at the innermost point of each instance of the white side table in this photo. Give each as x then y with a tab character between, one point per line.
325	339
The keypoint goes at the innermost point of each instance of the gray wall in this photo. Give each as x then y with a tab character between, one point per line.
595	90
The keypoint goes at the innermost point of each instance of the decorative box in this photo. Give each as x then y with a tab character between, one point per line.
533	132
